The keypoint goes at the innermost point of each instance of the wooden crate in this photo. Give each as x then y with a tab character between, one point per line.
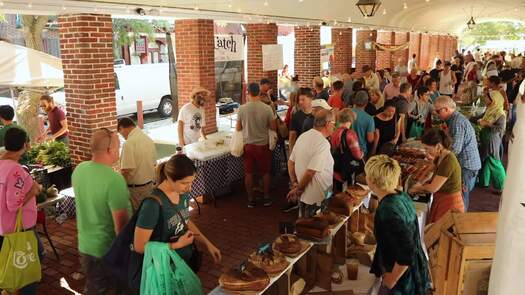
455	241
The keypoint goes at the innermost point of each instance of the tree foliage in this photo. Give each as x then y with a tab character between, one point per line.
126	31
486	31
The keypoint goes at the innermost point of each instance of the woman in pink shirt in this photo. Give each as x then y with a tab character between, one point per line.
17	190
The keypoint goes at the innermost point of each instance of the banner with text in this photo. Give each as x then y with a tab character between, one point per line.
272	57
229	47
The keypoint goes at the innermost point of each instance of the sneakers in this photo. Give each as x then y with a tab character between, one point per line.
252	204
290	207
267	202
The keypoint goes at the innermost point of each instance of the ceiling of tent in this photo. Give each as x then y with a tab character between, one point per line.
443	16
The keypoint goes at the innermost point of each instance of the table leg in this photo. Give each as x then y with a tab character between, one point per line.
49	240
339	246
306	268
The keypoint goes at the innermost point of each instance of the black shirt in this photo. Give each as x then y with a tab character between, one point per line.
323	94
387	130
308	124
402	105
506	75
371	109
298	120
435	74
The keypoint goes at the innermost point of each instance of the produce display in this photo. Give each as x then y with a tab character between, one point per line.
271	262
52	153
249	278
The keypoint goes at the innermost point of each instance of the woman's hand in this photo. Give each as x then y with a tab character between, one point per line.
183	241
214	252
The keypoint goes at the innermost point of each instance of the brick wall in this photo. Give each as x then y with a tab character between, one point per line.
307	54
342	41
424	52
258	35
454	43
400	38
448	47
384	58
86	47
195	55
415	47
433	50
364	56
442	39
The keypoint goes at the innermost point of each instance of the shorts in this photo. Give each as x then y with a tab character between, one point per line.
259	155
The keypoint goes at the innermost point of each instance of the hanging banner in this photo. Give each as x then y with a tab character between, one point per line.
272	57
386	47
229	47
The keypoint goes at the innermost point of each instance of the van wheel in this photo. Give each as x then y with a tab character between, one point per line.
166	107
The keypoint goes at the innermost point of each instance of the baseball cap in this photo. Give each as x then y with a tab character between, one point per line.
321	103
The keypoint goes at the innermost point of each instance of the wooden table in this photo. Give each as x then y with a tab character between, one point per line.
41	208
279	284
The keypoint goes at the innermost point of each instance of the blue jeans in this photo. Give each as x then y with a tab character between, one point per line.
468	178
31	288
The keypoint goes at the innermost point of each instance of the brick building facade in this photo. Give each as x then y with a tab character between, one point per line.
307	54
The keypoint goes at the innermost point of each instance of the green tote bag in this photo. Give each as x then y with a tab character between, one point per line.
19	255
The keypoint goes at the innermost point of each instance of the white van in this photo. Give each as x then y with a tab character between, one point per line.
147	82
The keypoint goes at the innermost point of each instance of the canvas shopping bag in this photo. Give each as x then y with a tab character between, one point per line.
19	255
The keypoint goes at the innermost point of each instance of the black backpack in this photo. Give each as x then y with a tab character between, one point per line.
344	162
122	261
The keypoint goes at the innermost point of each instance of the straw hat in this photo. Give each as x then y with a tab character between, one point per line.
199	89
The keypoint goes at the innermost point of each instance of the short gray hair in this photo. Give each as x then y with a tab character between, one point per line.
322	117
445	101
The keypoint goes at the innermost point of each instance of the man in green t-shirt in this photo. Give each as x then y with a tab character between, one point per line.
6	118
102	208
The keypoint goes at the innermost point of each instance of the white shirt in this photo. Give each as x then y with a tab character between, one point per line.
312	152
194	120
412	64
403	71
140	156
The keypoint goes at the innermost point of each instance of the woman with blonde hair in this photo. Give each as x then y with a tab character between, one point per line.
399	259
377	101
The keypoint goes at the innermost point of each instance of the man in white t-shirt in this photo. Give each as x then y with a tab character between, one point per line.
311	165
192	117
412	63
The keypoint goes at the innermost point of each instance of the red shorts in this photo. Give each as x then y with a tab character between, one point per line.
259	155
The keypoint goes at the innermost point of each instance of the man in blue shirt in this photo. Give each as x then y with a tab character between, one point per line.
465	144
364	124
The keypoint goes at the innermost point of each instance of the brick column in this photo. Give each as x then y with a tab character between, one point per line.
400	38
424	53
415	47
86	49
454	43
342	41
433	50
364	56
307	53
384	58
195	53
448	47
258	35
441	48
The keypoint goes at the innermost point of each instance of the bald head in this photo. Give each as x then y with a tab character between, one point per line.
102	141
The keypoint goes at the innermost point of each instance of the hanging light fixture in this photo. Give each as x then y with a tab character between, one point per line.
368	7
471	23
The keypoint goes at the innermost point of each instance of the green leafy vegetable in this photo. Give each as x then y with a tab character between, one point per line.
53	153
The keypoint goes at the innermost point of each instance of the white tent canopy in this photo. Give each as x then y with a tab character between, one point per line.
24	67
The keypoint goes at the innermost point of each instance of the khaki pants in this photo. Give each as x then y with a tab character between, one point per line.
137	194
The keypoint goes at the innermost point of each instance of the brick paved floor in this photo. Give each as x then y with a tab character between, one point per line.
235	229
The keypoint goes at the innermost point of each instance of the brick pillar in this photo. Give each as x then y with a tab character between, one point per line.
433	50
400	38
384	58
441	48
342	41
448	47
86	49
363	55
258	35
307	54
424	53
195	53
415	47
454	43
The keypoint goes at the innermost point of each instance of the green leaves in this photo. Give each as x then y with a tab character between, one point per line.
50	153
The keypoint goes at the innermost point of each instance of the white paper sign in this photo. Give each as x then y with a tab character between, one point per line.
229	47
272	57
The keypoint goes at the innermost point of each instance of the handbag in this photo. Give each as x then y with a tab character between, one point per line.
282	129
237	144
20	261
121	260
164	272
272	139
195	262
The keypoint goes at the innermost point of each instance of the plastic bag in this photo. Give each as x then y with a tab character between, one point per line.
272	139
165	273
237	144
19	255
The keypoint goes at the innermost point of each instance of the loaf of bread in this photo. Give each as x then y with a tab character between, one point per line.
288	245
312	233
313	223
252	278
330	217
357	191
271	263
358	238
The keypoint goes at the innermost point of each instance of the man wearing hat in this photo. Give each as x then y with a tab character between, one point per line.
192	118
317	105
364	124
